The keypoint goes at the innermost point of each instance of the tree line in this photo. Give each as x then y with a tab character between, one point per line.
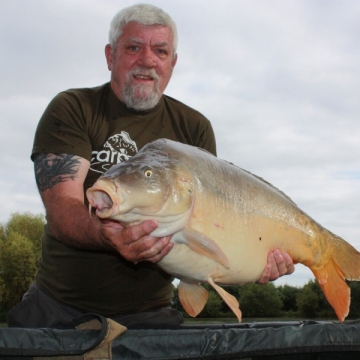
270	301
20	247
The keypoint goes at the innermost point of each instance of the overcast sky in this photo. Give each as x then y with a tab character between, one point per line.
279	80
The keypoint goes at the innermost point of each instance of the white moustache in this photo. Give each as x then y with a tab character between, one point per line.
144	73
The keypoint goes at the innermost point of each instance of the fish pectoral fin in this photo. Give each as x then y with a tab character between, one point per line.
229	299
202	245
193	297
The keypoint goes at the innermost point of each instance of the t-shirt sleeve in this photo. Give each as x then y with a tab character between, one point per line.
207	138
62	128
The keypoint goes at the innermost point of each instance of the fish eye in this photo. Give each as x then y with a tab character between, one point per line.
148	173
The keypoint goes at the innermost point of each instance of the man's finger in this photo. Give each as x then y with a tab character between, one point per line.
268	271
279	269
265	277
289	264
136	232
162	253
157	251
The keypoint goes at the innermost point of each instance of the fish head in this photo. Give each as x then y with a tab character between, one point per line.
149	186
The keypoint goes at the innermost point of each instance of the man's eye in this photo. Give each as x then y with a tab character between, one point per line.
161	52
133	48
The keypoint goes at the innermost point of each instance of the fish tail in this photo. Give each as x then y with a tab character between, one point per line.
342	264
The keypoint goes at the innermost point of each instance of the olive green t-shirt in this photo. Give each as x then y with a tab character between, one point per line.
94	124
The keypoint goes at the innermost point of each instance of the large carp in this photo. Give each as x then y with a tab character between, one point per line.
224	221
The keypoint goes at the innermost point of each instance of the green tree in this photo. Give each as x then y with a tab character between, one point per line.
307	301
213	306
2	232
18	267
355	298
260	300
28	225
20	245
325	309
288	295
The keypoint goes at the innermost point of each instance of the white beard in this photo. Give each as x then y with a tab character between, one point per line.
141	96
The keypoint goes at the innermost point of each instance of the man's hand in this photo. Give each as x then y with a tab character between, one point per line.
134	243
278	264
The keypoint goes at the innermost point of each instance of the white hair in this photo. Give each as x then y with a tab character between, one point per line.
142	14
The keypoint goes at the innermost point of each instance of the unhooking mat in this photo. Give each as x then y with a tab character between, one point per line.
99	338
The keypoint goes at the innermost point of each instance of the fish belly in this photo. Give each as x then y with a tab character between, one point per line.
246	242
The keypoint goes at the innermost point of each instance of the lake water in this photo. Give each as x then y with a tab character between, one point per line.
196	321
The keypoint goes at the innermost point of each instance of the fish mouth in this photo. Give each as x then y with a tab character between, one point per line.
101	201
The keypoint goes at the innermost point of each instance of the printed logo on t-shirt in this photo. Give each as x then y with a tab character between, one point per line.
117	148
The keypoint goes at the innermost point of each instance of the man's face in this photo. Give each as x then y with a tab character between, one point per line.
141	65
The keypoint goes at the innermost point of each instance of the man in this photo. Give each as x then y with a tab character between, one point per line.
93	266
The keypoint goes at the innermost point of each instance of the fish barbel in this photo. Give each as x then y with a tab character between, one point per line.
224	221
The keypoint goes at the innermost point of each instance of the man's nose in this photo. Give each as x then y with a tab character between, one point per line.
147	58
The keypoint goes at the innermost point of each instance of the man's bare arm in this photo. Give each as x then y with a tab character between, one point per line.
60	179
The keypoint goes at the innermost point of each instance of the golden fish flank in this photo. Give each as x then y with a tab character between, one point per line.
224	222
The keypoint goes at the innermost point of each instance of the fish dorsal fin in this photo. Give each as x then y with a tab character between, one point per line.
202	245
230	300
193	297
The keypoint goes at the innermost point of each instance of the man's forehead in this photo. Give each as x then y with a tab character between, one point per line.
139	33
139	40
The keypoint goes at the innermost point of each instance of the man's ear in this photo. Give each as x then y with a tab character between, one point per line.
109	55
174	60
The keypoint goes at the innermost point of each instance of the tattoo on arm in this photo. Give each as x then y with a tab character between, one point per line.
52	169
